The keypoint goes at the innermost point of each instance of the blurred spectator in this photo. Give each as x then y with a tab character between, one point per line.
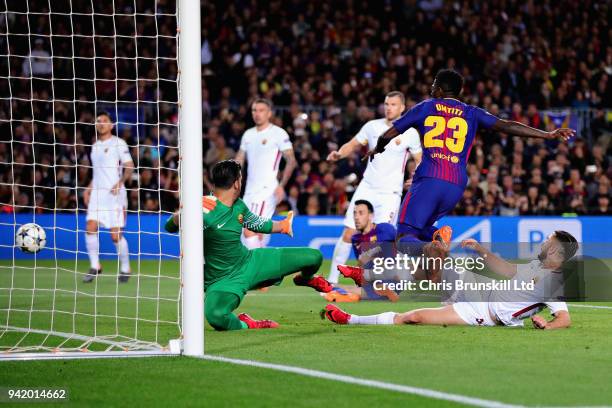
603	205
218	151
39	62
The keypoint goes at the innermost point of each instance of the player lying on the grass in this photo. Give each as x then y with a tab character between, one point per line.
507	308
231	269
448	127
372	241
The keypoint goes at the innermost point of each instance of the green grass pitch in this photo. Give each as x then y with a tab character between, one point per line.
514	366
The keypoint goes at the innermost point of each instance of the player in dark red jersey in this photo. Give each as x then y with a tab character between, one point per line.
448	128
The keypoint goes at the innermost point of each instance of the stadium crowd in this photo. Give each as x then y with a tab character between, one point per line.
344	57
327	66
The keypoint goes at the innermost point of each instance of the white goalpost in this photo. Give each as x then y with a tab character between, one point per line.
62	64
192	262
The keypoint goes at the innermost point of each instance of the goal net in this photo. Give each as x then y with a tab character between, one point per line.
63	63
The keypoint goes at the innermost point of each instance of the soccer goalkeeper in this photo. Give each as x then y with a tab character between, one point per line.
231	269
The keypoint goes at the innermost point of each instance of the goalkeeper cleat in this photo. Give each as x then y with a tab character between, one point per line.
91	275
352	272
257	324
343	296
317	282
335	315
124	277
444	235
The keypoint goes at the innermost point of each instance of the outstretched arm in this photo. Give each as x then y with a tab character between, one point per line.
382	142
252	222
518	129
345	150
258	224
561	320
409	119
497	264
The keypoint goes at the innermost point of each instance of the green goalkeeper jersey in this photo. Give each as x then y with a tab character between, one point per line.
223	250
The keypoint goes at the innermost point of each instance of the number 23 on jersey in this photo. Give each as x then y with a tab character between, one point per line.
439	124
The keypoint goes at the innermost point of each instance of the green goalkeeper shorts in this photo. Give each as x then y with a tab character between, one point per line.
267	267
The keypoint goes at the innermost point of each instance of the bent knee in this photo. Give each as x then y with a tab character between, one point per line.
315	256
218	319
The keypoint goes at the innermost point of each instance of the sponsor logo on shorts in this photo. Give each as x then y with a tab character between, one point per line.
479	321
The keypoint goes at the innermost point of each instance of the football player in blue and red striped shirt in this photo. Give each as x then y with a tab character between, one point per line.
370	241
447	127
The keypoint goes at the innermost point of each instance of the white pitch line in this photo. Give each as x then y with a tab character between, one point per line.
592	306
406	389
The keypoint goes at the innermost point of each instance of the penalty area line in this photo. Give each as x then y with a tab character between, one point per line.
406	389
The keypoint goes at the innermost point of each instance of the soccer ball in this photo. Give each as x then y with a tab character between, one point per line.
30	238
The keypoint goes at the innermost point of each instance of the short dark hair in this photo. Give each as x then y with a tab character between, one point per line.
225	173
396	94
568	242
450	81
367	204
105	113
265	101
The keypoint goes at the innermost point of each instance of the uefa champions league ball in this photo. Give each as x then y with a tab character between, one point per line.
30	238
